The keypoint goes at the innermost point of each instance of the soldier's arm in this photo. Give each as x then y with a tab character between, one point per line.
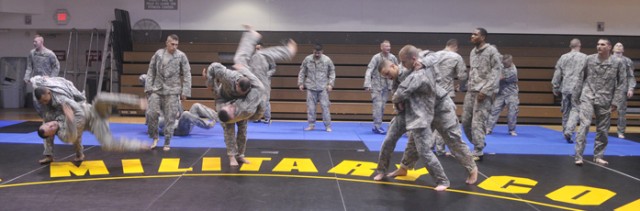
331	73
556	82
302	74
408	86
461	69
621	84
27	74
582	77
496	66
55	65
151	74
630	76
513	75
186	77
373	66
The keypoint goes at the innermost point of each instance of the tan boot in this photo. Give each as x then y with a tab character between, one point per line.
155	143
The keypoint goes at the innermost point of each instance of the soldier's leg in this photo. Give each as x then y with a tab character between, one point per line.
396	129
377	108
586	112
573	120
170	112
48	150
186	122
565	108
603	122
423	140
409	158
498	105
326	113
438	143
622	119
77	146
153	114
267	111
246	47
241	140
478	125
446	122
312	99
512	115
100	128
230	142
467	114
276	53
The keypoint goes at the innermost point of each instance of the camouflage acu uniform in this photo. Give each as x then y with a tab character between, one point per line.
261	63
445	121
379	86
565	78
631	85
603	85
507	96
191	118
168	77
316	75
94	118
450	64
416	91
224	82
483	78
62	91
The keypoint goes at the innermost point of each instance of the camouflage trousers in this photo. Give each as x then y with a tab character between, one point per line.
194	117
445	122
622	112
474	120
501	101
236	142
99	122
570	109
379	98
312	98
603	121
168	105
417	146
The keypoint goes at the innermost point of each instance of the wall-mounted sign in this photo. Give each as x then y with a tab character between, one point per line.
61	55
161	4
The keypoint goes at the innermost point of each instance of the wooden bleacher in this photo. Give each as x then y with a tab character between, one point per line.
348	100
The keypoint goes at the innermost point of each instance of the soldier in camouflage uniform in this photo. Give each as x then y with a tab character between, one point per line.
414	98
188	119
483	83
193	117
603	85
272	70
262	63
168	81
50	94
618	49
231	86
78	117
450	64
318	75
568	71
444	122
507	96
379	86
41	62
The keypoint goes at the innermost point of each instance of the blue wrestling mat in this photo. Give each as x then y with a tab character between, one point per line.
533	140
